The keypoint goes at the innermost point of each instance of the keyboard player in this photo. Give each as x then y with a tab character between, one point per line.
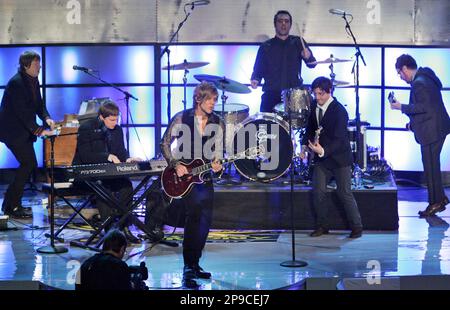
100	140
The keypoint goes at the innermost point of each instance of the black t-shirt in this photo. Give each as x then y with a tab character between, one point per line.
104	271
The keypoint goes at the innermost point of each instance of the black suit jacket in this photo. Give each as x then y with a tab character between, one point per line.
18	111
334	135
428	118
93	146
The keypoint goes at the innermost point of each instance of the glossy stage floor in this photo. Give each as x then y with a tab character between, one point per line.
245	260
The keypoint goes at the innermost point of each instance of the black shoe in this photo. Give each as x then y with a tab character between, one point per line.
200	273
356	233
189	275
18	213
434	208
319	232
130	237
156	234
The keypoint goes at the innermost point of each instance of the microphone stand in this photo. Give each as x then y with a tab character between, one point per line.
358	54
167	50
293	262
52	249
127	104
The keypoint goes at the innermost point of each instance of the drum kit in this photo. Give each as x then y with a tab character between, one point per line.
269	131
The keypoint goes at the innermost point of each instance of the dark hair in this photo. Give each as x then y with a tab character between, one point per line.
203	91
114	241
108	108
279	13
405	60
323	83
26	58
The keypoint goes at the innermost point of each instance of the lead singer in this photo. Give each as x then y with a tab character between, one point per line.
196	125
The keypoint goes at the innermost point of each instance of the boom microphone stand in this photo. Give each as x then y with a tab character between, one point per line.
293	262
127	103
358	54
167	50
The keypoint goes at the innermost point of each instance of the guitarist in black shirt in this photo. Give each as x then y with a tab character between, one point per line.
199	134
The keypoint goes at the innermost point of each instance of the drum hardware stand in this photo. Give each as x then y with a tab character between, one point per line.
358	54
127	105
52	249
332	74
293	262
227	179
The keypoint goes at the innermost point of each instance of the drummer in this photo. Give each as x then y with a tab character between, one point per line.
279	62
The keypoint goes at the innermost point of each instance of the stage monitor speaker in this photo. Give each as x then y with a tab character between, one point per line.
11	285
423	282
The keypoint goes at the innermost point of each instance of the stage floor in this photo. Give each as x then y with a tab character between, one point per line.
246	260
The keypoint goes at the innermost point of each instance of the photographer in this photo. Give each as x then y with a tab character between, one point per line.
106	270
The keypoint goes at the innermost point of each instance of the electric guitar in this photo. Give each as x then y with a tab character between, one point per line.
317	134
391	97
177	187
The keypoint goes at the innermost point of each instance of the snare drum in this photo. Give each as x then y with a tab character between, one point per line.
270	133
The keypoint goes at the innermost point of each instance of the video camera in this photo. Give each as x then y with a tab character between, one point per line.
138	275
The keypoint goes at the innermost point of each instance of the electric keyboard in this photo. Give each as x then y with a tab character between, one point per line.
109	170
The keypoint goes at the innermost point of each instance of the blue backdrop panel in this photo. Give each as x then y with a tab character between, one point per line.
9	61
115	64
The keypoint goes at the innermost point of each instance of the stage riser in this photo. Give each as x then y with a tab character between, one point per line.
241	209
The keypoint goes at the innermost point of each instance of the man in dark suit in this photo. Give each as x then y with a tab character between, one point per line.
430	123
279	62
21	103
333	157
100	140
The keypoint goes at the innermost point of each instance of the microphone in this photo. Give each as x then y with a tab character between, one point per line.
199	2
338	12
75	67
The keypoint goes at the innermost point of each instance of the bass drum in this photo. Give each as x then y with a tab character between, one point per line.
269	133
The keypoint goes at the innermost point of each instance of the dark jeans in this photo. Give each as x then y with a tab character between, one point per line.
269	100
432	168
26	157
199	208
343	176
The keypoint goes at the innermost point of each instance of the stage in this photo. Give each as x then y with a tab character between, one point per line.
245	259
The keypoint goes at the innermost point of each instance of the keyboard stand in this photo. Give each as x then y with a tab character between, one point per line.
107	196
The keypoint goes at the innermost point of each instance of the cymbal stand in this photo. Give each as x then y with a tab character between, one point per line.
332	74
227	179
186	71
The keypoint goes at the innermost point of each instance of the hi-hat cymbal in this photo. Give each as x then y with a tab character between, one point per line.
187	65
340	83
224	83
329	60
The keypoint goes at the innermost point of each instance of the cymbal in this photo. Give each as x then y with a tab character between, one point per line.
339	83
224	83
329	60
187	65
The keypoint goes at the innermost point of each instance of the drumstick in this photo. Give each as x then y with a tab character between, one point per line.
303	43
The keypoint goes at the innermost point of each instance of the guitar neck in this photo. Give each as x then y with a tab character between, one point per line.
206	167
